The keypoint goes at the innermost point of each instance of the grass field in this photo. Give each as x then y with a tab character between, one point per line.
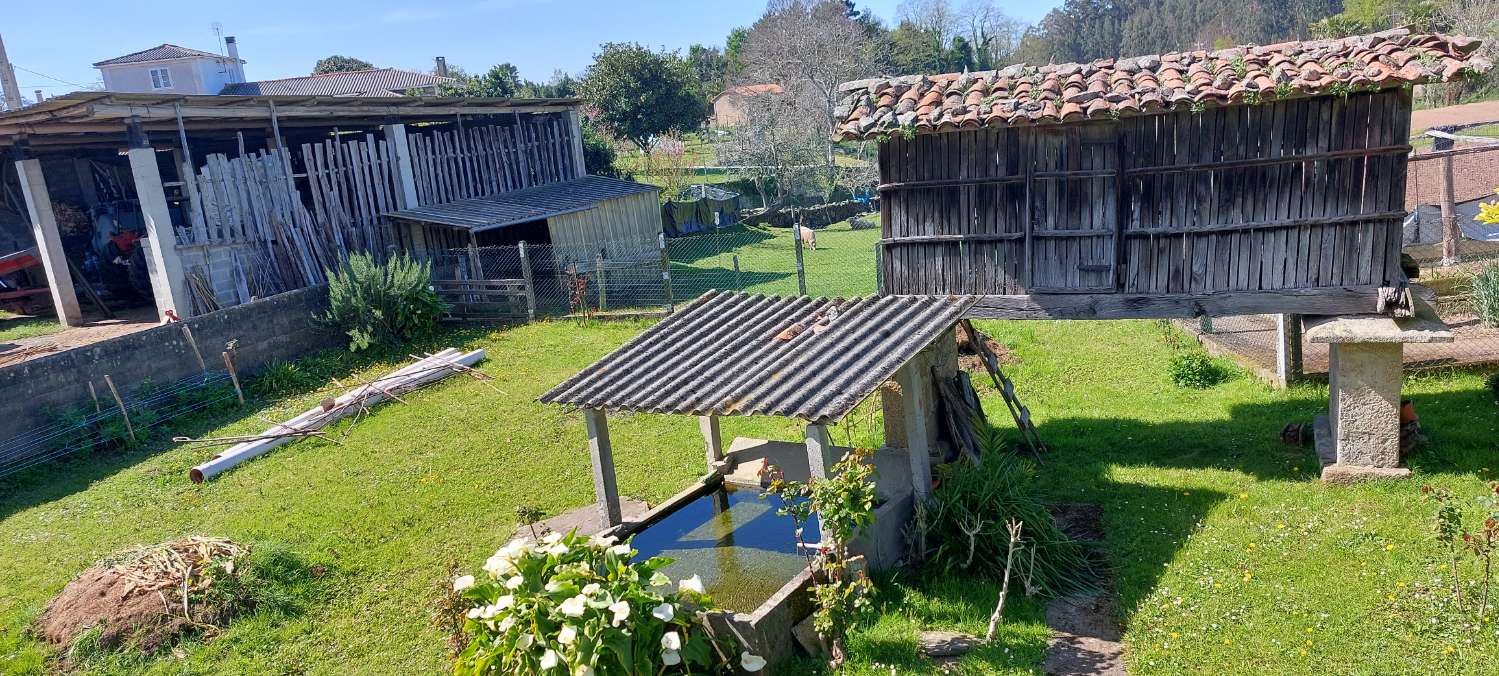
1226	549
842	264
15	327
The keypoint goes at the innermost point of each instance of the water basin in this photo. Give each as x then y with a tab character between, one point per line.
741	547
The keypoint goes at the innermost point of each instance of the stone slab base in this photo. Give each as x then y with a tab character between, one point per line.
1351	474
587	520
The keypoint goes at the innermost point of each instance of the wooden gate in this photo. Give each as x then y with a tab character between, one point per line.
483	300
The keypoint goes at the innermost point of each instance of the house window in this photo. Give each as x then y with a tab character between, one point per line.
161	78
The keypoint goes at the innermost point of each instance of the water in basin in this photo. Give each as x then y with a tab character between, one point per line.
743	550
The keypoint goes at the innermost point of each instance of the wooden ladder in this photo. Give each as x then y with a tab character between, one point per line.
1006	387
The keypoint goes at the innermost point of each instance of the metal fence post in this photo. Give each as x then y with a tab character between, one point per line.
598	267
671	305
525	271
738	281
801	270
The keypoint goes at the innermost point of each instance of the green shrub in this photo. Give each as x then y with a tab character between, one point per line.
1195	370
376	303
583	605
1485	295
966	517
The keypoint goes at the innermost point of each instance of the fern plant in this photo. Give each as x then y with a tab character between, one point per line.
374	302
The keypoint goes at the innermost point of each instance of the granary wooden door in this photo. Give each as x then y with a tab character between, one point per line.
1072	200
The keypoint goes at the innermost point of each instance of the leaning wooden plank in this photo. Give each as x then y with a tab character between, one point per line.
412	376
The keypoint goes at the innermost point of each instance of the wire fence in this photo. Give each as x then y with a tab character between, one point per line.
149	408
625	277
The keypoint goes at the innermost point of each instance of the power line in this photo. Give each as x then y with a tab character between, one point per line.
49	77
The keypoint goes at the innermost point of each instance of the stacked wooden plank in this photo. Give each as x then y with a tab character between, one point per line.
476	161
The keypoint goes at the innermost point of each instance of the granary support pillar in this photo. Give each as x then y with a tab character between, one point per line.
712	439
820	454
1359	438
605	488
168	283
48	241
915	381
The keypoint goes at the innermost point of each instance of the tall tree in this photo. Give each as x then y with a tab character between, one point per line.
733	53
639	94
339	63
501	81
709	67
809	47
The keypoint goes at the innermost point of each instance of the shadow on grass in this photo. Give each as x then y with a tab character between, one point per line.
690	281
721	242
74	473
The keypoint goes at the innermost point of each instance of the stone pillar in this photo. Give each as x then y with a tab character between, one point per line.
938	360
49	241
168	282
820	454
712	439
605	490
1287	349
916	401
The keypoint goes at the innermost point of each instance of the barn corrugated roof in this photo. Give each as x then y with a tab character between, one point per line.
1109	88
160	52
730	353
520	206
371	82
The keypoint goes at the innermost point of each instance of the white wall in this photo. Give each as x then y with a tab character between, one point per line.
189	76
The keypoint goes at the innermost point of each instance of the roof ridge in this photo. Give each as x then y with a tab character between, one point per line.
195	52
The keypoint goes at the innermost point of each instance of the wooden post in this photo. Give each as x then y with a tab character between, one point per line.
1450	232
605	490
400	148
125	415
168	283
916	396
48	241
94	394
1287	349
475	266
712	438
879	268
598	268
801	270
738	281
575	129
671	305
234	377
525	271
187	334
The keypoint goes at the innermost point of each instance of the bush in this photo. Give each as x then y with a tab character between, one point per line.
582	604
965	521
1492	382
1195	370
1485	295
377	303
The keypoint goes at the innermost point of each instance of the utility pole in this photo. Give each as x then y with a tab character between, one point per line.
8	86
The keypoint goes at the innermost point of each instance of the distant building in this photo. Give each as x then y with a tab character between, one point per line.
170	69
372	82
728	107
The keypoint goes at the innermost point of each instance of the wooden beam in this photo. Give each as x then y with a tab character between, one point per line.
605	488
1323	301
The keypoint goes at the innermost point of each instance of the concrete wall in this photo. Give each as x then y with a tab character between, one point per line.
276	328
216	262
189	76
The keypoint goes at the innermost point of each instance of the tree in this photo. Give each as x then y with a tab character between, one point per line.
340	64
598	151
733	52
640	94
774	147
809	47
500	81
709	67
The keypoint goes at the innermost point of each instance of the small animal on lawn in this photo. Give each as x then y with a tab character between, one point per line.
808	235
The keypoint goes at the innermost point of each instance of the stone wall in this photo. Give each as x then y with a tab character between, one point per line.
275	328
215	261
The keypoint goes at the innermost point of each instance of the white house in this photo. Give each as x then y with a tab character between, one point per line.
170	69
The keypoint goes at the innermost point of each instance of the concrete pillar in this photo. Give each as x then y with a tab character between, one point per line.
1287	349
820	454
395	134
1364	392
712	439
49	241
168	283
605	490
916	400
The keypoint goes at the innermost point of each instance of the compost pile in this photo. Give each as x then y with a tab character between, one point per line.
146	597
970	359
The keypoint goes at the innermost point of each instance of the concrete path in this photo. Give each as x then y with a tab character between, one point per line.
1467	113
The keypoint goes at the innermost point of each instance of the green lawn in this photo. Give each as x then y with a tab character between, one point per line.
1225	547
842	264
16	327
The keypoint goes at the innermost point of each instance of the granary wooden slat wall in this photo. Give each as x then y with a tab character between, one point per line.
1285	195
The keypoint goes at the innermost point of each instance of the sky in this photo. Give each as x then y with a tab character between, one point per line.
53	43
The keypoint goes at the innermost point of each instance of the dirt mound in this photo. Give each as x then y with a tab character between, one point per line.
969	358
145	597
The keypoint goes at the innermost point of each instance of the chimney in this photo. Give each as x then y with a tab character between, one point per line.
442	66
38	96
236	68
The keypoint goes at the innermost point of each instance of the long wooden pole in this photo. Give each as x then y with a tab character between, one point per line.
115	392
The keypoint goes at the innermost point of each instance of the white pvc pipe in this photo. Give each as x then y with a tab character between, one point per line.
409	377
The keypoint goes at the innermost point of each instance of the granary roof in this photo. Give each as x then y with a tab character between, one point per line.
730	353
520	206
161	52
1109	88
369	82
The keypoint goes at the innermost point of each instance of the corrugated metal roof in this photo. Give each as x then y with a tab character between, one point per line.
730	353
372	82
520	206
159	53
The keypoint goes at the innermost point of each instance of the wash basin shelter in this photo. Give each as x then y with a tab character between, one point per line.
813	359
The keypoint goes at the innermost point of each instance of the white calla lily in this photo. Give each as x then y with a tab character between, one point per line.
670	658
550	659
621	610
664	612
671	641
751	662
692	584
568	635
462	583
574	606
515	582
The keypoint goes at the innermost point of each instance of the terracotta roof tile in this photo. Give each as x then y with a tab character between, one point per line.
1106	88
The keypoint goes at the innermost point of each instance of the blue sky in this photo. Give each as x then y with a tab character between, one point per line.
53	43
